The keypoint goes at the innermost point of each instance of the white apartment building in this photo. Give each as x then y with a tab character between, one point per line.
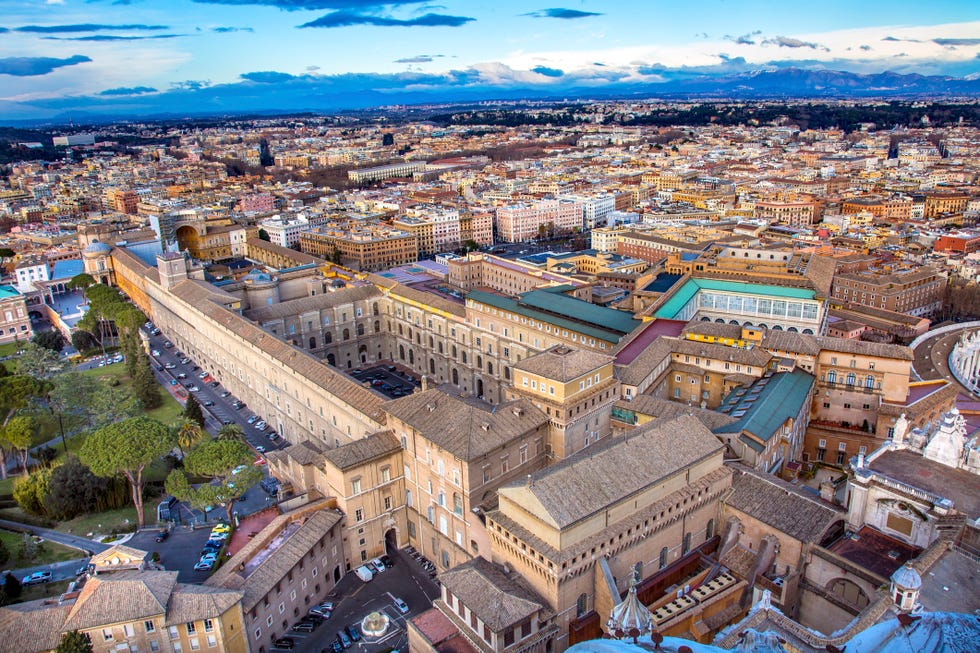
285	230
595	209
28	272
445	225
521	222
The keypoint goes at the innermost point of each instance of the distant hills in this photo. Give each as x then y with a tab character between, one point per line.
325	94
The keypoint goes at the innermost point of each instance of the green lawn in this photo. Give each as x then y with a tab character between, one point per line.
47	552
104	523
7	486
166	413
10	348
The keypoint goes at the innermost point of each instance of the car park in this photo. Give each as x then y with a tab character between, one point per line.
37	578
401	605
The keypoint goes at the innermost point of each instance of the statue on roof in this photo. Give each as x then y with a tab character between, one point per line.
630	618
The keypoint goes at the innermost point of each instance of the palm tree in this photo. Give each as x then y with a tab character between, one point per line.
231	432
188	432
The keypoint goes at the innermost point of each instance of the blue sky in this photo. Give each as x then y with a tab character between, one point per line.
56	55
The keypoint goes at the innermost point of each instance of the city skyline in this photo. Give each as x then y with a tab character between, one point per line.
130	57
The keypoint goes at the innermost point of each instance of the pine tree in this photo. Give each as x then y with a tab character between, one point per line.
192	410
145	386
74	642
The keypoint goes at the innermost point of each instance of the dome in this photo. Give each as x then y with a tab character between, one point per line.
907	578
95	248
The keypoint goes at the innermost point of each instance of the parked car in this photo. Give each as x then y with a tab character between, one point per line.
284	642
344	639
260	448
389	562
209	557
168	344
185	360
364	573
37	578
253	419
336	647
193	388
162	536
221	528
170	366
155	352
401	605
181	376
260	425
352	632
207	403
203	566
380	565
303	627
202	375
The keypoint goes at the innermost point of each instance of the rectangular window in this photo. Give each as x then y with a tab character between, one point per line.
195	644
385	474
212	641
106	634
149	626
355	486
359	514
128	630
173	632
154	645
191	627
208	626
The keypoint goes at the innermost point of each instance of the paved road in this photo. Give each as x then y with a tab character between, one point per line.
354	599
67	570
74	541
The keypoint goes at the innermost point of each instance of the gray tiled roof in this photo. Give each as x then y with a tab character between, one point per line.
358	452
313	303
495	598
640	367
601	475
121	596
781	505
666	409
465	430
194	602
35	626
860	347
563	363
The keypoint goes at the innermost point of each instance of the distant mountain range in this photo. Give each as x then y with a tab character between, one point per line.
331	94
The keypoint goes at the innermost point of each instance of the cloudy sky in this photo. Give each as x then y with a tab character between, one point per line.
181	55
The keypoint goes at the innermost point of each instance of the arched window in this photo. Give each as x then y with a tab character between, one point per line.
346	334
374	308
432	366
411	357
431	342
327	338
489	367
401	352
312	342
377	326
455	377
401	331
663	557
464	358
831	376
454	351
869	382
851	379
457	503
709	532
331	359
440	346
582	605
360	329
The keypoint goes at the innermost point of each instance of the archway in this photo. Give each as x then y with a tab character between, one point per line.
391	541
188	239
336	574
331	360
479	387
455	377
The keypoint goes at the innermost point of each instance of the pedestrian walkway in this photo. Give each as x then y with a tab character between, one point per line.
74	541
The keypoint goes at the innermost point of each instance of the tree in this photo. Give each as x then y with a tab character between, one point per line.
11	589
4	553
74	642
73	490
126	448
216	459
5	253
145	385
52	340
470	245
19	432
264	235
231	432
192	410
39	362
83	340
189	433
29	492
81	281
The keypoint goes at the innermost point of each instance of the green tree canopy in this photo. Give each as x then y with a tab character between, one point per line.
39	362
18	433
189	433
193	411
81	281
73	490
74	642
126	448
52	340
216	459
231	432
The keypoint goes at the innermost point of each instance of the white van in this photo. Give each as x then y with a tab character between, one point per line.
364	573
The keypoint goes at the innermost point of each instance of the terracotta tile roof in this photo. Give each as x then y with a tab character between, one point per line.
319	302
563	363
666	409
498	600
358	452
193	602
461	428
862	348
35	626
648	360
121	596
601	475
264	561
781	505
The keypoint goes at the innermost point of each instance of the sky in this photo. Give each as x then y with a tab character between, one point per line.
146	56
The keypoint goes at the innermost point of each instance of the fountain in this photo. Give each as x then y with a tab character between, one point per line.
374	626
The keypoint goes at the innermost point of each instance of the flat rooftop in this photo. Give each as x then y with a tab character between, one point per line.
874	551
959	486
952	584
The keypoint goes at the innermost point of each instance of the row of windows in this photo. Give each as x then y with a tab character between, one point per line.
755	306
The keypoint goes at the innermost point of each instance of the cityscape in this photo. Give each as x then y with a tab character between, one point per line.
545	334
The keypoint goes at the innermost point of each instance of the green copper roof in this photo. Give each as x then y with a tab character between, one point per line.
8	291
686	292
763	408
564	312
